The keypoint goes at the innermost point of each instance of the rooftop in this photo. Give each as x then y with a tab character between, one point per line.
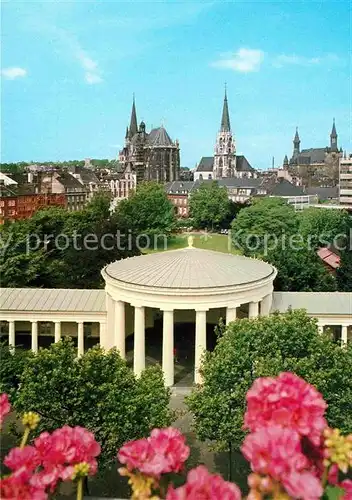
52	299
189	268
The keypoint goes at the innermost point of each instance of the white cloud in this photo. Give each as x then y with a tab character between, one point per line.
244	60
14	72
92	73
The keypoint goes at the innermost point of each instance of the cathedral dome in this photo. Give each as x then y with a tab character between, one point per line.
159	137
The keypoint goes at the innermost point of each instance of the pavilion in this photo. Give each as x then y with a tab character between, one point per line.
178	286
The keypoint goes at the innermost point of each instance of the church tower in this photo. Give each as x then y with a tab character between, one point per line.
296	144
225	149
333	138
133	123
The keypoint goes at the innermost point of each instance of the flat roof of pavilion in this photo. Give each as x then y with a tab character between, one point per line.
82	300
52	299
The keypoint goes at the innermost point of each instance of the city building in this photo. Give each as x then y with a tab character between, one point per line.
150	156
240	190
62	182
345	180
15	206
316	166
189	285
225	163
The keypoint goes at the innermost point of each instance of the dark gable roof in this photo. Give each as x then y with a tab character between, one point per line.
68	181
206	164
159	137
324	193
315	155
238	182
180	187
242	165
282	187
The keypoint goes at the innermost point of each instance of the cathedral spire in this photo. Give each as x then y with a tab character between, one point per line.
225	119
296	143
133	124
333	137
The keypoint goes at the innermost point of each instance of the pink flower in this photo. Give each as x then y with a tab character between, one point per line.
303	485
288	401
22	461
5	407
61	450
68	446
171	445
201	485
347	486
162	452
12	488
134	453
277	452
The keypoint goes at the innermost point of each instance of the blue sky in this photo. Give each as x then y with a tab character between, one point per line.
69	70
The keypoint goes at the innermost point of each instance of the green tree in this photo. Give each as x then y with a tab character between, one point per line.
11	368
97	391
265	347
209	205
263	225
344	272
300	270
321	227
147	211
48	249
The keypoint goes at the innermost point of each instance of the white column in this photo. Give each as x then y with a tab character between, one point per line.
80	335
201	343
231	314
57	331
253	309
344	333
119	327
139	340
34	336
265	305
12	341
110	320
168	348
102	333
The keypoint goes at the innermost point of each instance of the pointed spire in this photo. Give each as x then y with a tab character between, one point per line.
285	161
126	136
133	123
225	119
296	139
333	130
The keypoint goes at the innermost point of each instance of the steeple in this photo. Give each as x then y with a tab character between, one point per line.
296	143
333	137
285	161
133	124
225	119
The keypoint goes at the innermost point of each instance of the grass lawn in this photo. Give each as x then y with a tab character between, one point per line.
207	241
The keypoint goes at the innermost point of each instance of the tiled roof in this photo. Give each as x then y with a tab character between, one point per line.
282	187
314	302
324	193
52	299
68	181
159	137
316	155
189	268
206	164
329	257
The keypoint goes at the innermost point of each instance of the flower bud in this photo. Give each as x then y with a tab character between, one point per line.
30	420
